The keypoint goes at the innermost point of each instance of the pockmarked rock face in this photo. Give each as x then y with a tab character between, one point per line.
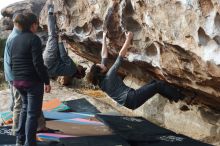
28	6
6	23
174	40
177	41
33	6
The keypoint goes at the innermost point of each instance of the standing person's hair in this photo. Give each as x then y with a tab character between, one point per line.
20	21
31	19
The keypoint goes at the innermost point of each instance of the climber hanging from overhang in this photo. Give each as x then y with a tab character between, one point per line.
111	83
55	55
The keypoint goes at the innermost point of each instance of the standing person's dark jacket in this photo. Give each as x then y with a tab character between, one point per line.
27	60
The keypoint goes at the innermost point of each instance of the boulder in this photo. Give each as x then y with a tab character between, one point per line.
176	41
6	24
23	6
31	6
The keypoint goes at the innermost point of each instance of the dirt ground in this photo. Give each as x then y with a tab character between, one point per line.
96	97
64	93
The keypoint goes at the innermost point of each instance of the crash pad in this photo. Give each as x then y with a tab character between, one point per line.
81	105
82	121
61	115
6	130
55	105
133	128
7	139
75	129
109	140
52	136
6	117
142	132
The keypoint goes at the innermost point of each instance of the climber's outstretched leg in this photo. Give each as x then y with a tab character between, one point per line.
137	97
50	54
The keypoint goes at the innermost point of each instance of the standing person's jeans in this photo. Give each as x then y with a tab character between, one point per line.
32	98
15	106
16	110
138	97
11	103
51	51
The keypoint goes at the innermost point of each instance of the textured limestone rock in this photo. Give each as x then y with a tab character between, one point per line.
4	34
34	6
199	122
174	40
6	23
195	121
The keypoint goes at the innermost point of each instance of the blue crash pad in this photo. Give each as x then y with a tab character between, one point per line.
61	116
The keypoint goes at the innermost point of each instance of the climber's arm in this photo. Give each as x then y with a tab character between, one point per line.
124	49
104	53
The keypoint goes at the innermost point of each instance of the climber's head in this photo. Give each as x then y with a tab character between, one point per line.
80	72
96	74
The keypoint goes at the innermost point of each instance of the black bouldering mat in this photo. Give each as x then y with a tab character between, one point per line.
171	140
82	106
141	132
6	130
7	139
111	140
133	128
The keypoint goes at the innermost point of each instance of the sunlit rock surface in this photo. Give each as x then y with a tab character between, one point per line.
34	6
177	41
6	23
174	40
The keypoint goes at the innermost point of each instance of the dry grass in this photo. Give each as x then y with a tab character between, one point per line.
93	93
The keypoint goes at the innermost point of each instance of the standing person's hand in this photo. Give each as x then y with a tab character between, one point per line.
47	88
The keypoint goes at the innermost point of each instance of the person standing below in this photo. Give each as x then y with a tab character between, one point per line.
111	83
55	55
30	79
18	21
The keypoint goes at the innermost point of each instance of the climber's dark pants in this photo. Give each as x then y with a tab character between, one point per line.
55	55
137	97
